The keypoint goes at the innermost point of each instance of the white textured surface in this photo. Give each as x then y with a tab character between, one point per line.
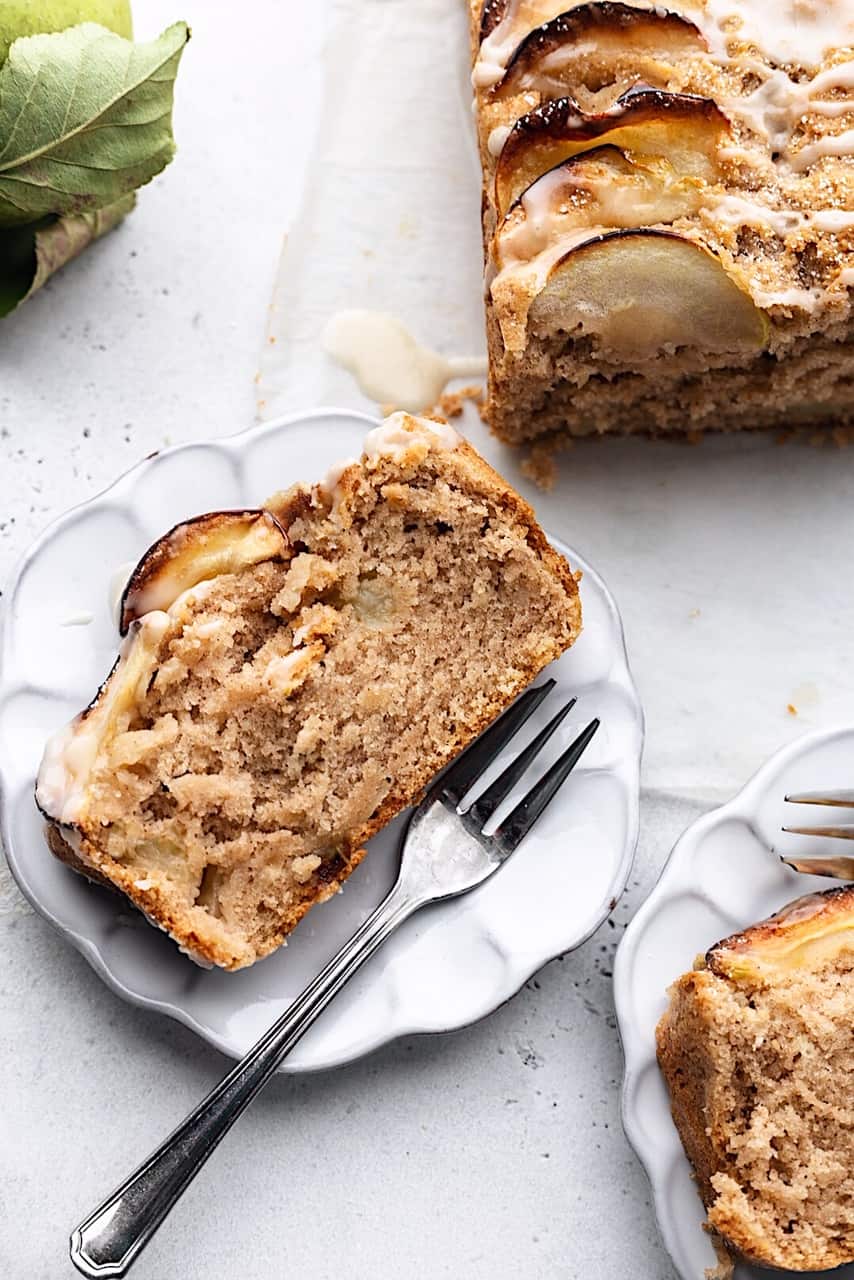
444	969
496	1151
723	875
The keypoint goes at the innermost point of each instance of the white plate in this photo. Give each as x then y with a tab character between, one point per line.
722	875
447	966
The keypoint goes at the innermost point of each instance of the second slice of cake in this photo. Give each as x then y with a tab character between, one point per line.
291	677
757	1048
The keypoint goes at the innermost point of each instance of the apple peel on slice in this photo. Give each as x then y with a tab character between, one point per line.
524	14
683	129
598	188
197	551
595	46
643	291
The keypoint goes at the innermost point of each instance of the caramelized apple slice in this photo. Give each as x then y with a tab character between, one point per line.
808	933
70	755
193	552
598	188
503	23
640	292
683	129
521	15
596	46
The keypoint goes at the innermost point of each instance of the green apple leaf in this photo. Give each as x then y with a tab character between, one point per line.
85	118
29	255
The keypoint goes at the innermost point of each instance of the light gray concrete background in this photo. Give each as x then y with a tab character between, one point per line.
493	1152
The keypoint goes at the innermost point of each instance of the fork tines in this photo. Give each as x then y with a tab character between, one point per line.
840	868
474	762
841	799
838	799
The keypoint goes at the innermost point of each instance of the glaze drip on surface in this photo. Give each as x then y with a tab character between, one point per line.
388	363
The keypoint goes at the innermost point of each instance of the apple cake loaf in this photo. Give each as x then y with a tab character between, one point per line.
291	677
757	1048
667	214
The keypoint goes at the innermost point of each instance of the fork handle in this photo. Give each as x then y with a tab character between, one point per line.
107	1242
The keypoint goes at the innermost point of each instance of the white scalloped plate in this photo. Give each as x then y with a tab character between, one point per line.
447	966
723	874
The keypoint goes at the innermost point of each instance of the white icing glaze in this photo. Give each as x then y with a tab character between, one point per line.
396	435
160	597
802	299
118	581
523	238
774	108
787	31
832	220
497	138
496	50
329	483
840	144
735	211
388	363
81	619
207	630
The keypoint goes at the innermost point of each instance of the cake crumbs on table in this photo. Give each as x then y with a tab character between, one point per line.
724	1268
840	437
450	405
540	466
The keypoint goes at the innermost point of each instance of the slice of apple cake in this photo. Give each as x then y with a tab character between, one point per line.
292	677
668	214
757	1048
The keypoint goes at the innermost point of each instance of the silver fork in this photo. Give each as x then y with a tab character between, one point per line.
840	867
445	853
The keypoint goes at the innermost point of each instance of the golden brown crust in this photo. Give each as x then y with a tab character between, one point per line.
682	1049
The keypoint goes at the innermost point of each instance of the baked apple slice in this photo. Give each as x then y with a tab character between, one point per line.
641	292
683	129
503	24
196	551
598	188
806	934
598	46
